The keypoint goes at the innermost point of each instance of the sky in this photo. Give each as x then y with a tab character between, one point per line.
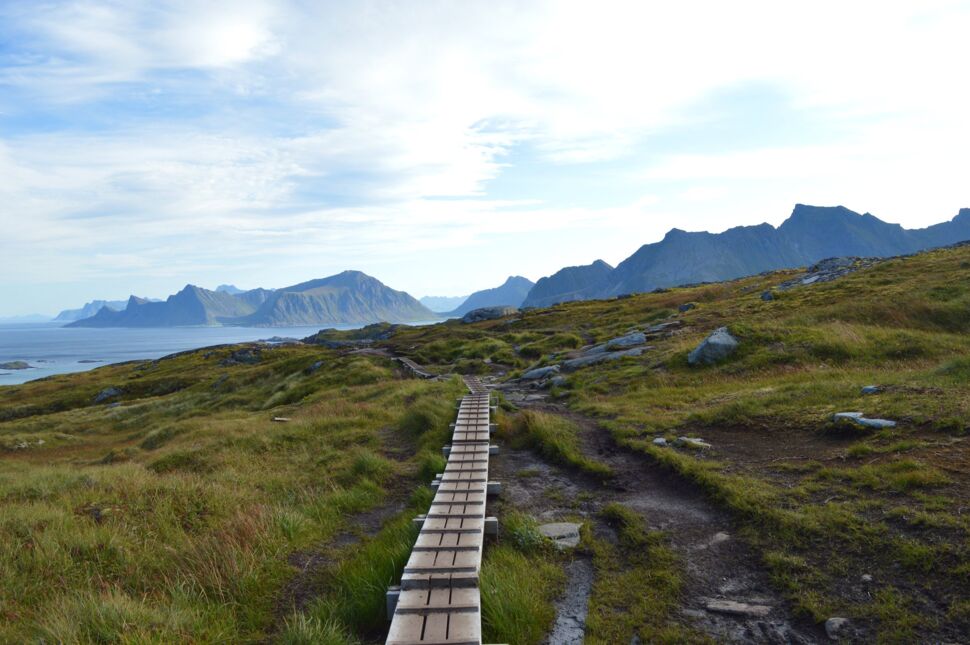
442	146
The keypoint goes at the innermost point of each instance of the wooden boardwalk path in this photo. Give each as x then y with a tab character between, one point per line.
414	368
439	600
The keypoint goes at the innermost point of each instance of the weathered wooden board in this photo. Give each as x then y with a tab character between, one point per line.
439	602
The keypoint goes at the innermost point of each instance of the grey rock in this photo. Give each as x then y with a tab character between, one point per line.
850	416
866	578
736	608
660	441
630	340
663	327
488	313
313	368
836	627
692	441
565	535
860	420
585	361
767	296
716	347
558	381
687	306
107	393
832	264
243	356
540	372
15	365
871	389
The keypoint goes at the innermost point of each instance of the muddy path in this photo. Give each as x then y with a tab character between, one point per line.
718	567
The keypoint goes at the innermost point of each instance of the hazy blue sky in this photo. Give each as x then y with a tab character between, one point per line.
441	146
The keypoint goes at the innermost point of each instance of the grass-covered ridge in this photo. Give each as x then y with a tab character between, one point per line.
824	504
177	510
170	516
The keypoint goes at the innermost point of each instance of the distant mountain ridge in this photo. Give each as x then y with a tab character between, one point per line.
571	283
810	234
348	297
89	309
512	293
442	303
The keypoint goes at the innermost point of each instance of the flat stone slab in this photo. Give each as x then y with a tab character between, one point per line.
564	534
735	608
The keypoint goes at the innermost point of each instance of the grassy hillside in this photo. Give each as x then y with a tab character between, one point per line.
824	504
177	510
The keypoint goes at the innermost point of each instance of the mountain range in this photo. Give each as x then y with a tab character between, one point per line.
442	303
89	309
810	234
512	293
350	297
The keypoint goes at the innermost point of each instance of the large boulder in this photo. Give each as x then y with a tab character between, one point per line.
716	347
488	313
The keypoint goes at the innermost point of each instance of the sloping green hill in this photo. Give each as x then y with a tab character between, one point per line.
823	503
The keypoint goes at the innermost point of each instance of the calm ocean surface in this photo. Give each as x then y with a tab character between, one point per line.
52	349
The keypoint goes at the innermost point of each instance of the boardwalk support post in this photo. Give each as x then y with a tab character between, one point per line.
494	488
393	593
491	526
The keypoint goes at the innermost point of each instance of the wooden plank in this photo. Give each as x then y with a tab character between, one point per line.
439	602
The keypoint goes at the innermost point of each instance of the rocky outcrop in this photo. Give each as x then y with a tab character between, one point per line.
15	365
540	373
715	348
586	360
488	313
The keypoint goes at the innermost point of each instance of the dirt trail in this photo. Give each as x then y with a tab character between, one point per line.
718	565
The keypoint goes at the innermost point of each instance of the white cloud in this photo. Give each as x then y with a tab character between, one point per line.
300	129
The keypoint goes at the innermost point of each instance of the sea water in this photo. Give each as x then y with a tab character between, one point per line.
52	349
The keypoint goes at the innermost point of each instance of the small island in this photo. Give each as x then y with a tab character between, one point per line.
15	365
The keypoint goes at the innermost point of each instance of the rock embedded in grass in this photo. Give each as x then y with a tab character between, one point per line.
767	296
860	420
488	313
584	361
565	535
107	393
836	628
716	347
871	389
540	373
735	608
687	306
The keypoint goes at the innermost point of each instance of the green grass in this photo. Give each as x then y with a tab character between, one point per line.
803	490
637	587
554	437
521	578
170	518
